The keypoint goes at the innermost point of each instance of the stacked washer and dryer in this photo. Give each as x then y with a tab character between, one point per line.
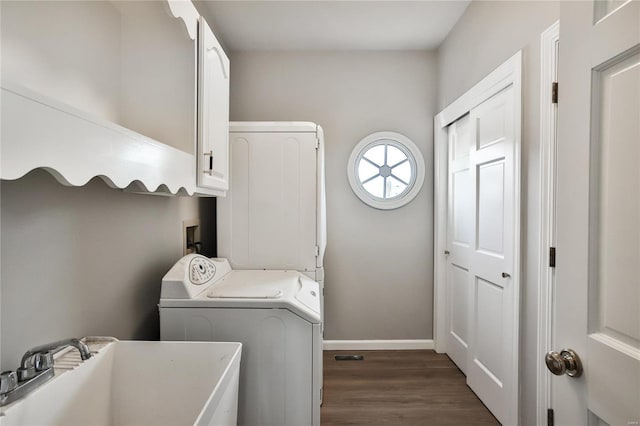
266	288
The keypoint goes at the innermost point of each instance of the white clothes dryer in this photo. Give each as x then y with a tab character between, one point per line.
276	317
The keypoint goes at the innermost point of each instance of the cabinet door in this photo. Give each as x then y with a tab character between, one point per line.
213	112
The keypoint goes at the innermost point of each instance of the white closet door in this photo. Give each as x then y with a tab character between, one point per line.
491	370
480	320
460	239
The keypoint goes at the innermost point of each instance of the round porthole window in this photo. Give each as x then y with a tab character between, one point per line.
386	170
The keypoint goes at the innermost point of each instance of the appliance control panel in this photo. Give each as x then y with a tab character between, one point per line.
192	275
201	270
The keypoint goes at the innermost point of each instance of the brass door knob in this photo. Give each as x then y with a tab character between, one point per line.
566	362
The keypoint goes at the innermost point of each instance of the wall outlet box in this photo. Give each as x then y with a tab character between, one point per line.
190	236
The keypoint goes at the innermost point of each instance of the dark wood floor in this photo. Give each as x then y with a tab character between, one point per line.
398	388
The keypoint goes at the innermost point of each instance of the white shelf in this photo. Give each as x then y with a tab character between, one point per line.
74	146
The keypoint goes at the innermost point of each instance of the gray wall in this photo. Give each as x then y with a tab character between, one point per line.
86	260
89	260
379	265
489	33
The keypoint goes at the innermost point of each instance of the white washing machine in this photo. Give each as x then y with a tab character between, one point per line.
276	317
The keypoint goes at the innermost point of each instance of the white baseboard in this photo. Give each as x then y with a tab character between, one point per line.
370	345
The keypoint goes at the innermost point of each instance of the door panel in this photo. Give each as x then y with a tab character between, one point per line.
491	369
491	208
460	234
491	122
602	8
614	305
462	142
597	296
482	303
488	323
462	196
616	155
459	303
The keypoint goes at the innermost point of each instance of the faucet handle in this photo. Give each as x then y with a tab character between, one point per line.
43	361
26	373
8	381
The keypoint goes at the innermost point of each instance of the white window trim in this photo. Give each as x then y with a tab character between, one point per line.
413	154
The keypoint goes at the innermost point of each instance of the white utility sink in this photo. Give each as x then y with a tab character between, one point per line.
137	383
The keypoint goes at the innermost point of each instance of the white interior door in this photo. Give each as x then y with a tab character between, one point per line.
597	295
482	249
459	240
492	361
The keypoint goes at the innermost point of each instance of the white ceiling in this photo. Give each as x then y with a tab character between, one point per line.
332	25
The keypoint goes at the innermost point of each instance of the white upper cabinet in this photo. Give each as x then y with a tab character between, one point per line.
213	112
110	89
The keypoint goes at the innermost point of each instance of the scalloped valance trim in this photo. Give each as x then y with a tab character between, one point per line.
74	146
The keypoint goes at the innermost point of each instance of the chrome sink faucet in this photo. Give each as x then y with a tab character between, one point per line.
35	369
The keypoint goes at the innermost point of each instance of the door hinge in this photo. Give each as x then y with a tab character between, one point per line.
552	257
554	92
317	143
317	251
550	417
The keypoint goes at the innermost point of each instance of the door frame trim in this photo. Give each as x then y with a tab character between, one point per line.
549	40
509	73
